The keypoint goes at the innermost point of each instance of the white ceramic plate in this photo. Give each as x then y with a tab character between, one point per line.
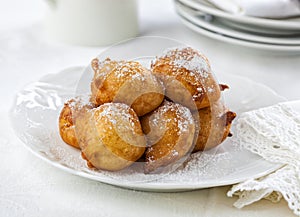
216	25
35	118
291	24
228	39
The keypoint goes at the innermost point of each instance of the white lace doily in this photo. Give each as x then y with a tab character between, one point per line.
274	134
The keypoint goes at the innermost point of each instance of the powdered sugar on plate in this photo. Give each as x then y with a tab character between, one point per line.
198	168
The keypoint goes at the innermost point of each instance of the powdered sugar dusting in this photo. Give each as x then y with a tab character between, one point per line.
77	103
133	69
121	69
103	67
196	64
189	59
113	110
119	115
183	117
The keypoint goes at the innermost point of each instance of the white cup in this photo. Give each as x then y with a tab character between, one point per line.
91	22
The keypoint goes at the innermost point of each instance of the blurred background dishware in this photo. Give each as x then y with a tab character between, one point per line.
238	28
92	22
260	8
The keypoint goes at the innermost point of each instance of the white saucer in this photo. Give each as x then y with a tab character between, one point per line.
288	50
216	25
290	25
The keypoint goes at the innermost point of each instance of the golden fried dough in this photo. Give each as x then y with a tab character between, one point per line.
178	102
66	123
110	136
101	69
126	82
214	125
187	77
67	120
170	132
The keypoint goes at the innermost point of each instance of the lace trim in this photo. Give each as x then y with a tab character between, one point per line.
274	134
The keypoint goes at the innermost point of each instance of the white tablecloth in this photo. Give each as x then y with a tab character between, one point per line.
31	187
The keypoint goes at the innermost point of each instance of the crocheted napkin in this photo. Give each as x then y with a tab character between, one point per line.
274	134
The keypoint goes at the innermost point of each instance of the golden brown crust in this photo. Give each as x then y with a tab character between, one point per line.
223	87
126	82
170	132
187	77
112	138
67	119
229	116
66	124
214	126
101	70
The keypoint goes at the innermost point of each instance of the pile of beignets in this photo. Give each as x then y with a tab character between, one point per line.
158	116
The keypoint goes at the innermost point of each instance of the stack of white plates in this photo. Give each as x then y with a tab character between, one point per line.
268	34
